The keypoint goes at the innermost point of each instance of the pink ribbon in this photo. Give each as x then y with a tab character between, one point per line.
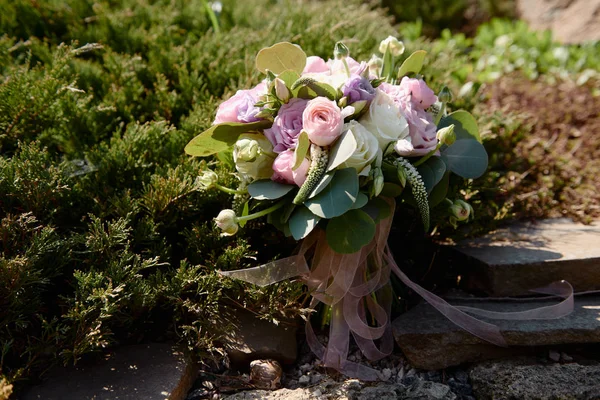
356	286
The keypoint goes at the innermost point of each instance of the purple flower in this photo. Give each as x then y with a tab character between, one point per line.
422	131
287	125
240	107
358	88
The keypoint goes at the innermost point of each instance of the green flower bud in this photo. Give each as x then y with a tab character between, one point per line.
207	179
445	95
378	181
227	222
447	135
340	51
460	211
270	76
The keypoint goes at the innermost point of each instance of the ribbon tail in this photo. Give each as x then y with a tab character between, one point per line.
273	272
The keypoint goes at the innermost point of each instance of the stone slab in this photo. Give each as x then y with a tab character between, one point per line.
524	256
430	341
256	339
572	21
154	371
527	379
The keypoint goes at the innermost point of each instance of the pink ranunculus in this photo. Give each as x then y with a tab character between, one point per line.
322	120
421	95
287	125
241	106
282	169
315	64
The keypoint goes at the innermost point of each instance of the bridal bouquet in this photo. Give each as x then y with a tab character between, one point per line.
325	150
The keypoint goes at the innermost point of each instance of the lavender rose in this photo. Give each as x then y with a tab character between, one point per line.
419	92
287	126
422	132
240	107
358	88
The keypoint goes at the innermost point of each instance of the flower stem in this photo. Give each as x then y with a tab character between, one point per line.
428	155
228	190
346	66
261	213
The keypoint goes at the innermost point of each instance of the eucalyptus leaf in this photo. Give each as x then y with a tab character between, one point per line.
266	189
289	77
413	63
281	57
338	197
321	185
439	192
361	200
378	209
342	150
302	222
465	125
391	190
220	137
348	233
466	158
301	150
432	171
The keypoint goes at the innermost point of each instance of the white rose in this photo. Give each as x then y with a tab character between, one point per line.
253	156
385	120
367	148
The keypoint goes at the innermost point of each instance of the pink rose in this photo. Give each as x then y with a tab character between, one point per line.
420	93
283	173
287	125
315	64
322	120
240	107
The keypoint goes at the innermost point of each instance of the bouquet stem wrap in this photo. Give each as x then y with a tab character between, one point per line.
357	288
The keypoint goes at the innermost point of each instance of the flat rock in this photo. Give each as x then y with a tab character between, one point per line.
572	21
524	256
154	371
256	339
430	341
420	390
525	379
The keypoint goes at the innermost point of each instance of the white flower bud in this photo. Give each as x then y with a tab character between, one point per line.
447	135
396	47
375	64
253	156
227	222
281	91
207	179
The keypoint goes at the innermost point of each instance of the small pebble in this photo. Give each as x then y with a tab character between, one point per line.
306	367
564	357
316	378
554	355
304	379
266	374
386	374
317	393
461	376
352	384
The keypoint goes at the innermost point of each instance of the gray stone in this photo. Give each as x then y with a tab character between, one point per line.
425	390
524	256
525	379
254	339
430	341
573	21
149	371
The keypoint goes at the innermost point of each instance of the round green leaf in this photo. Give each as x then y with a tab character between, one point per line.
361	200
466	158
302	222
465	125
349	232
281	57
220	137
266	189
338	197
413	63
432	171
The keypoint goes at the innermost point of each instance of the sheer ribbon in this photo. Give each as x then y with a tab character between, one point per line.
357	288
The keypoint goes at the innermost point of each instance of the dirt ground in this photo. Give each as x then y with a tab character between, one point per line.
551	162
